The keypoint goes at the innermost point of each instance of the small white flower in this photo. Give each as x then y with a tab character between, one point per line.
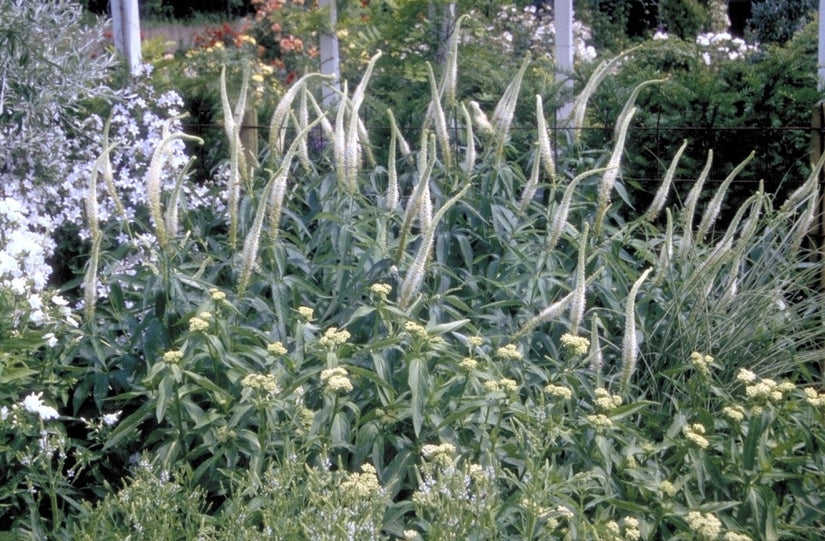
33	404
51	339
111	419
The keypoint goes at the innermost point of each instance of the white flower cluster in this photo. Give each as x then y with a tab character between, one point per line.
716	47
50	180
533	29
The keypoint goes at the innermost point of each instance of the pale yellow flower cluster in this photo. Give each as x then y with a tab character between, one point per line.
606	401
264	383
441	454
734	413
276	348
381	289
198	324
668	488
695	433
173	356
558	391
334	337
468	364
415	329
600	421
577	345
336	380
475	341
509	352
705	526
735	536
362	485
764	389
701	363
307	313
504	384
216	294
631	529
410	535
813	398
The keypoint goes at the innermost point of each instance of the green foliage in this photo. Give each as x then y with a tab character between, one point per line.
472	338
776	21
683	18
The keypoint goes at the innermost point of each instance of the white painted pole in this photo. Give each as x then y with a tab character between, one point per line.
330	59
821	59
563	14
126	23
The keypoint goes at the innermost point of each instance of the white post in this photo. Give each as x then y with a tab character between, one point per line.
563	14
821	59
330	60
126	22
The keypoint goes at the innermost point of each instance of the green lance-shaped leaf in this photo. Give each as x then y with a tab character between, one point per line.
715	205
436	112
660	198
630	345
689	208
415	274
602	71
560	217
578	303
470	152
280	117
609	176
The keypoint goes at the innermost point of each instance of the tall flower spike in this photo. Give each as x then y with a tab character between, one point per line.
480	118
339	141
91	192
800	194
280	118
596	356
326	126
715	205
352	149
449	80
609	176
689	208
108	177
630	345
173	205
578	303
661	194
666	253
552	311
419	192
391	200
237	166
506	108
470	153
531	185
153	180
402	144
545	148
439	119
415	275
601	72
802	227
270	203
560	217
90	279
